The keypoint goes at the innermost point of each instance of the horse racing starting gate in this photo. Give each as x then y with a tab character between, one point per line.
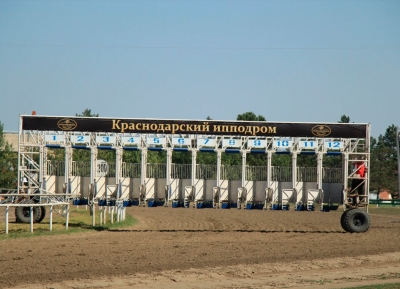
38	134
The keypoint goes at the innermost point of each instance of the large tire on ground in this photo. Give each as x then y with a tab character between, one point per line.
42	215
342	220
356	221
22	214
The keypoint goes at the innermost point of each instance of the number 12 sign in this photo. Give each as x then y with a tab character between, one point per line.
333	145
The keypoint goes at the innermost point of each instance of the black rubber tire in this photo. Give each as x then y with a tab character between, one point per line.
42	215
356	221
342	220
22	214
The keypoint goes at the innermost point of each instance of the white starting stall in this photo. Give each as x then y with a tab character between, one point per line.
351	141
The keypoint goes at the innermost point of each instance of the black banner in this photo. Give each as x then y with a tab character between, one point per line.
207	127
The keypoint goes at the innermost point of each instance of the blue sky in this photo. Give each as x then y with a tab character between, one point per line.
288	60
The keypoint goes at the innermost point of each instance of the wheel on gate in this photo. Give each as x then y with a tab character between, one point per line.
42	215
342	220
356	221
22	214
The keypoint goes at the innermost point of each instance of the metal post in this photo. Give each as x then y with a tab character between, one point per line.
168	176
294	176
31	217
143	165
68	165
93	214
67	218
51	218
101	216
219	156
243	168
319	180
118	165
193	167
269	162
6	219
346	171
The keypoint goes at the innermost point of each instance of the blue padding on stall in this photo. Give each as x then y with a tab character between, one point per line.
53	146
333	153
232	151
131	148
257	152
105	147
134	202
80	202
283	153
159	203
81	147
102	203
203	205
154	149
176	204
207	150
181	149
225	205
307	153
258	206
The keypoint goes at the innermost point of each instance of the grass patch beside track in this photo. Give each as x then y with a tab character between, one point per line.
80	221
384	210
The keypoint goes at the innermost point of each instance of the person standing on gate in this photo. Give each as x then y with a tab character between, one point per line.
359	171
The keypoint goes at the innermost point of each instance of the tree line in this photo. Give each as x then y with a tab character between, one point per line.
383	158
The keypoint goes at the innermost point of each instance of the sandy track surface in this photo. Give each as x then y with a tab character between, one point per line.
189	248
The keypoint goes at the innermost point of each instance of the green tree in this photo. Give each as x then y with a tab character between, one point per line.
344	119
8	162
87	113
384	162
250	116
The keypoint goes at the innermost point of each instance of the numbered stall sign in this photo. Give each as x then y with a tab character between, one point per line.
283	144
80	139
206	142
236	143
105	139
308	144
156	141
333	145
180	141
55	138
257	143
130	140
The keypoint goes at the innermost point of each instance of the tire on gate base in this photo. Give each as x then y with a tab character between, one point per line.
342	220
355	221
22	214
42	215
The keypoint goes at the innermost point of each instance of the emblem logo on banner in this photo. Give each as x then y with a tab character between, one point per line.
67	124
321	130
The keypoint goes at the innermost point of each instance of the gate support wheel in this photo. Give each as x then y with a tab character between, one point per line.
355	221
22	214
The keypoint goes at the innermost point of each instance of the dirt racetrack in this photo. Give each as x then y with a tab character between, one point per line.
206	248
